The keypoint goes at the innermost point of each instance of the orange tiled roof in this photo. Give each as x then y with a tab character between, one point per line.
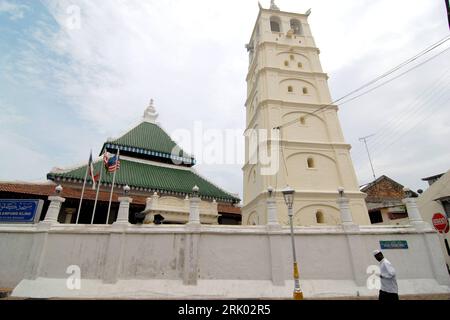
228	209
48	189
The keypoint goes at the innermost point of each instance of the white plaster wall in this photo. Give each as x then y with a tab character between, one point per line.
63	249
14	254
154	256
151	260
242	257
320	257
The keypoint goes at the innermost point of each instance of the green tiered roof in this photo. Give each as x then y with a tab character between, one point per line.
150	140
147	164
151	178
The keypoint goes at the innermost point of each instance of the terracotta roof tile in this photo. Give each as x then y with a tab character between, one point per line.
48	189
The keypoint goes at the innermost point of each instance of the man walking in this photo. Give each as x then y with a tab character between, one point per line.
389	288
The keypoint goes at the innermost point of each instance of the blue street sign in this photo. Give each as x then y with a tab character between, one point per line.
395	244
20	211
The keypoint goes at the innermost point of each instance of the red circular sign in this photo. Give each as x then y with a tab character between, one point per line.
440	222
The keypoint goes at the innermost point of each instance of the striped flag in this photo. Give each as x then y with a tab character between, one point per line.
92	175
111	162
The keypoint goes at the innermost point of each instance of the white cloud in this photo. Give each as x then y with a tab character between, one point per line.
26	166
15	11
10	115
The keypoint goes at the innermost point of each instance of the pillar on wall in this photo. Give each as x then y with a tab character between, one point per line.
414	215
191	242
194	207
272	218
55	206
344	208
124	211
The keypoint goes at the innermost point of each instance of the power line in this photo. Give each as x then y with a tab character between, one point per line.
397	125
395	78
382	147
406	132
413	127
412	109
401	65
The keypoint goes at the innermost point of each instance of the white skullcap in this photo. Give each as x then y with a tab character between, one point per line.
375	252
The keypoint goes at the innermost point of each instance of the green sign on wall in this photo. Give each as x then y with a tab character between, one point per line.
394	244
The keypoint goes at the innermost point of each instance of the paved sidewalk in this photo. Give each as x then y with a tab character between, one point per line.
445	296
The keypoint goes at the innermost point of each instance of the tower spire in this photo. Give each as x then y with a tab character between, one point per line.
150	114
273	6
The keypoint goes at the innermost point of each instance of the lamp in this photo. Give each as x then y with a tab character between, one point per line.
126	189
341	191
288	194
58	189
195	191
270	191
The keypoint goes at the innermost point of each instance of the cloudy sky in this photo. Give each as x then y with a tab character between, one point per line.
67	84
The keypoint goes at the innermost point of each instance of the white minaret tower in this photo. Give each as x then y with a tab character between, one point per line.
286	87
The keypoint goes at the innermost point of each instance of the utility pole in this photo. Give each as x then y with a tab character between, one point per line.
447	5
364	139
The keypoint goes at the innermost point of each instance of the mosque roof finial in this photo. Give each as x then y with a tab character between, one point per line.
150	114
273	6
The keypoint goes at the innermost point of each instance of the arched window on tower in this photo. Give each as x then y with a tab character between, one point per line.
302	120
311	164
320	218
296	26
275	24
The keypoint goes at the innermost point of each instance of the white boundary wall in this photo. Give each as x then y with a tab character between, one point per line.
149	261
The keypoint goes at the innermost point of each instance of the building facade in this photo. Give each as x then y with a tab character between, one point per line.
436	199
385	201
160	175
289	100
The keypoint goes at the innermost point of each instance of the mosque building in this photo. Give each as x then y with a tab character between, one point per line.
158	172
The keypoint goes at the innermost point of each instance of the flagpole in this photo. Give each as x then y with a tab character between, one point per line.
98	189
82	192
112	187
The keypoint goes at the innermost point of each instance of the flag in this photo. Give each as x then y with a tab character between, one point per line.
111	162
93	176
